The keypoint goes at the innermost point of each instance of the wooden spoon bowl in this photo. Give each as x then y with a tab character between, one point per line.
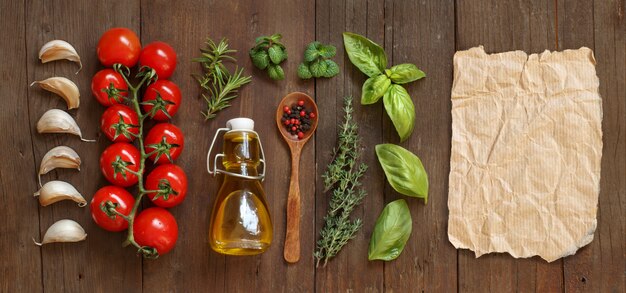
292	238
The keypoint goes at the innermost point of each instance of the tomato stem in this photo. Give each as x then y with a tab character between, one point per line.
141	191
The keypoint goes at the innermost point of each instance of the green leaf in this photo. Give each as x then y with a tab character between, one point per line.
369	57
276	54
400	109
317	69
311	53
374	88
405	73
304	72
260	59
391	232
276	72
332	68
327	51
404	170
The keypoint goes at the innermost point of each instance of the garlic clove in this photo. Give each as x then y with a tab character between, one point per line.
58	121
58	50
55	191
59	157
63	231
63	87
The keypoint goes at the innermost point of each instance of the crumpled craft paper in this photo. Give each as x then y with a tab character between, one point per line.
526	151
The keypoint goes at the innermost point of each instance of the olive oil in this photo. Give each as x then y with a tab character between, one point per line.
240	220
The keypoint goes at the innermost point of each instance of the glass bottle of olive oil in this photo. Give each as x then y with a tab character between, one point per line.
240	220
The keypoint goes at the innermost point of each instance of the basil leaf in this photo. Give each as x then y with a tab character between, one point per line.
405	73
400	109
374	88
391	232
404	170
369	57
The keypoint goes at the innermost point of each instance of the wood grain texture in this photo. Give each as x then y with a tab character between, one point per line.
21	260
425	33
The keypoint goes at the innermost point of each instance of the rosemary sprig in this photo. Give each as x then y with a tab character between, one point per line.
221	86
342	177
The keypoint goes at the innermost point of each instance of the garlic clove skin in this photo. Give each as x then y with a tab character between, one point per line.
58	50
63	87
56	190
58	121
63	231
59	157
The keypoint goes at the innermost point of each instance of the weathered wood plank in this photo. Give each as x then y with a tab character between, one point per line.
350	269
515	25
600	25
428	262
70	267
21	259
185	25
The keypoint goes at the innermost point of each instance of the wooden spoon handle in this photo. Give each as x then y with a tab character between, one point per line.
292	239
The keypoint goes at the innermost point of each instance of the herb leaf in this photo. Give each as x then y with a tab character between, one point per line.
405	73
276	54
369	57
304	72
392	231
374	88
267	53
400	109
332	68
404	170
276	72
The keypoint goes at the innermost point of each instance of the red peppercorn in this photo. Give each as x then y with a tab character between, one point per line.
312	115
300	135
302	113
301	103
297	122
289	111
286	109
287	122
293	128
293	120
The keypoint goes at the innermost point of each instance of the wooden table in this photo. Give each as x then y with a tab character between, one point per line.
426	33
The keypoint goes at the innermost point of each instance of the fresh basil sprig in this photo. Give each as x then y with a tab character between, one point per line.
404	170
371	59
392	231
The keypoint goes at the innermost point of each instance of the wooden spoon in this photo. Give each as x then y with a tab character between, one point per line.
292	239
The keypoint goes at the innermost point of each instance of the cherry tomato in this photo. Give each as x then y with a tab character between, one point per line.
123	202
108	87
172	182
157	228
116	159
163	94
119	45
159	56
119	123
165	140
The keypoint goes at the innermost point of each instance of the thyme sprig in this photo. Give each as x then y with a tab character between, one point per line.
220	85
342	176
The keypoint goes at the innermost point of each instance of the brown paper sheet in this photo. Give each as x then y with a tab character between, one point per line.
526	150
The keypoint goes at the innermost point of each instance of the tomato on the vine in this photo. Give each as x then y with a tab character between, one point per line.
108	87
119	45
165	141
119	199
120	123
159	56
171	182
157	228
160	97
119	162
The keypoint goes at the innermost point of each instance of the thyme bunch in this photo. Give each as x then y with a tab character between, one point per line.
342	176
221	86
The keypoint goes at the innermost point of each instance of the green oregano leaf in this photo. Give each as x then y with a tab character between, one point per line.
304	72
400	109
374	88
332	68
260	59
275	72
276	54
404	170
391	232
